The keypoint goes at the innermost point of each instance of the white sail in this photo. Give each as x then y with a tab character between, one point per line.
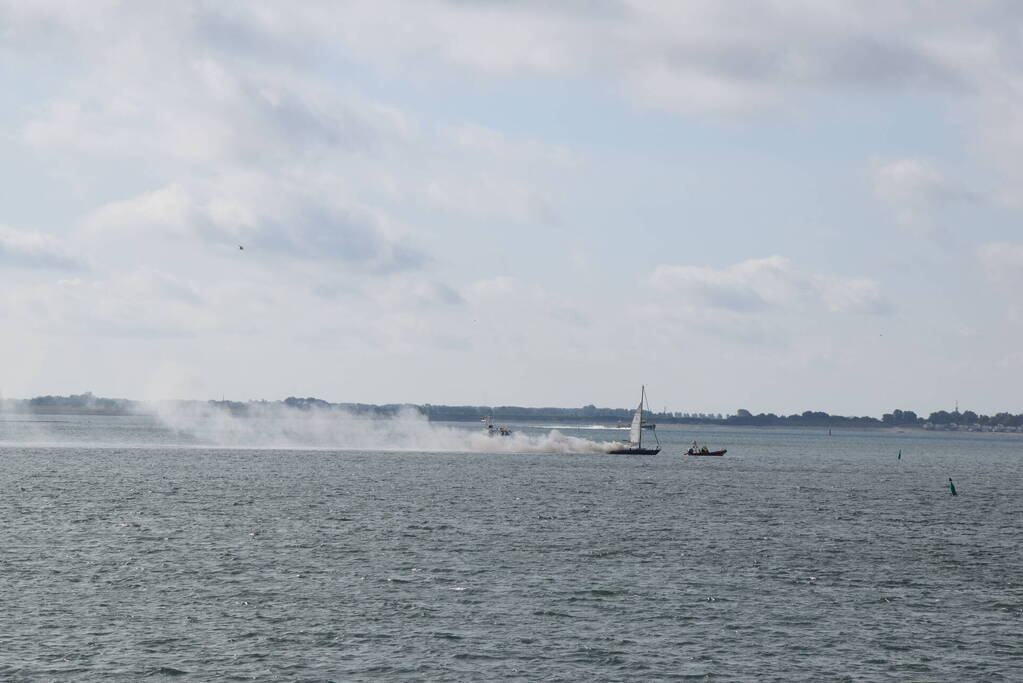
636	431
635	443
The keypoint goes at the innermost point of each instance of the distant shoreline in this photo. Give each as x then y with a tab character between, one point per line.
610	418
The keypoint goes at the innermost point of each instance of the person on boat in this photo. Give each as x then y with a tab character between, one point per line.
693	447
704	449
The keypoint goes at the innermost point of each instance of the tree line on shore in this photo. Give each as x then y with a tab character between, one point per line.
88	403
896	418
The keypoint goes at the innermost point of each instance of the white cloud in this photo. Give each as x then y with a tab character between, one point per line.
855	295
1002	261
137	303
403	313
760	285
212	113
694	57
306	218
169	211
1002	264
507	314
412	293
187	94
702	57
909	180
696	91
917	191
632	42
19	249
489	197
916	180
501	147
746	286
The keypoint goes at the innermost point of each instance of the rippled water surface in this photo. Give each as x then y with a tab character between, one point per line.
128	552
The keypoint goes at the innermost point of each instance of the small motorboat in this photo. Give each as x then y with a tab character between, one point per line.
704	451
494	430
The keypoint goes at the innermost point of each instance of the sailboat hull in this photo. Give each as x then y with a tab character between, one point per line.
634	451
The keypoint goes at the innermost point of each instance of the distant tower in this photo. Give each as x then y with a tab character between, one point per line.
957	405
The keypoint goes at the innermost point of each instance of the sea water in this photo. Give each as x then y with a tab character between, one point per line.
130	550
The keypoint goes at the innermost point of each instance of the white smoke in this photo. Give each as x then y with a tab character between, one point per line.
280	426
20	428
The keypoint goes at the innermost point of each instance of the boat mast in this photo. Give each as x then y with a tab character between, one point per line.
642	398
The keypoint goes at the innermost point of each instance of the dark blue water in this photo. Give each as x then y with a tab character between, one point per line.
795	557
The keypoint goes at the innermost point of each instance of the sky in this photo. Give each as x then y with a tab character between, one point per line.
778	206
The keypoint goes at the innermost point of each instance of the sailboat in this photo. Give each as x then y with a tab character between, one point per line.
634	446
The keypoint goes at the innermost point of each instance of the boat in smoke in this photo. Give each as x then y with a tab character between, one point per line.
645	425
494	430
634	446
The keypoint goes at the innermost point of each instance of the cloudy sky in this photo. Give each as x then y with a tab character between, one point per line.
777	206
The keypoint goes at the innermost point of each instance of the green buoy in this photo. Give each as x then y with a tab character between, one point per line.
952	487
